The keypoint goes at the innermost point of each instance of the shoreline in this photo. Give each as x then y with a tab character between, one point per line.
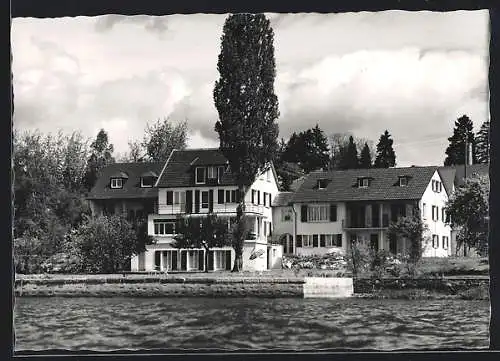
220	285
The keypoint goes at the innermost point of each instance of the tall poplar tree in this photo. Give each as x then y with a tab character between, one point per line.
247	105
385	153
455	153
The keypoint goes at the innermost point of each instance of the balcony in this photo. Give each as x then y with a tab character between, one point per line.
358	225
217	208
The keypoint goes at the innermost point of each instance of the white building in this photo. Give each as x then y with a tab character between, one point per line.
330	209
197	182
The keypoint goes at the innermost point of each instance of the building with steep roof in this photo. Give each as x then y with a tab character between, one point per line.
331	209
195	183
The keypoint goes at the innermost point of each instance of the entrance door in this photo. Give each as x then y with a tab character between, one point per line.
374	241
287	243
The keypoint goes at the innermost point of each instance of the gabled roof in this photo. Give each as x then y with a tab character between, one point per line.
180	167
131	186
119	174
448	177
456	174
282	199
384	185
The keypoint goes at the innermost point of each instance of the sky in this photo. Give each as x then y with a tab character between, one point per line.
412	73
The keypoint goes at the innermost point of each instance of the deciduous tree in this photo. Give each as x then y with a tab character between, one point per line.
160	139
101	155
202	232
247	105
468	211
413	229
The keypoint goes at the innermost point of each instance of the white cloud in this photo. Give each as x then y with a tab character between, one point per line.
413	73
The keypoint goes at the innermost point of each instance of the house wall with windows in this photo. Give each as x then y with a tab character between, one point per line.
432	206
319	228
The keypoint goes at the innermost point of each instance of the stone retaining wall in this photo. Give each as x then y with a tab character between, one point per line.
160	287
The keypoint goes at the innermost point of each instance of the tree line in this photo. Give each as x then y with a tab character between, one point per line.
52	176
311	150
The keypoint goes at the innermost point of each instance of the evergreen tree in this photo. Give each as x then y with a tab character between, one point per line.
483	143
247	105
349	156
309	149
365	158
385	153
455	153
101	155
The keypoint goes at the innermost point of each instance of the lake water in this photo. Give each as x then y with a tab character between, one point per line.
105	324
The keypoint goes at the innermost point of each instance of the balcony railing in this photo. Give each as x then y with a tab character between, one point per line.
350	224
204	208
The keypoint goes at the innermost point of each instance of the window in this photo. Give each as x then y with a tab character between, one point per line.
200	175
258	197
265	199
268	175
234	197
147	182
433	213
363	182
220	196
164	227
332	240
286	215
307	240
220	173
179	197
211	172
318	213
274	252
228	196
253	196
443	214
445	242
193	259
435	241
440	187
424	210
204	199
437	213
170	197
322	183
403	181
116	183
264	227
220	259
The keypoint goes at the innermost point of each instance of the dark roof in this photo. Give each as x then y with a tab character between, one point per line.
180	166
448	177
119	174
282	199
149	173
131	186
342	185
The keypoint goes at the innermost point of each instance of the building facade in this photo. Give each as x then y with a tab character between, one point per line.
331	209
195	183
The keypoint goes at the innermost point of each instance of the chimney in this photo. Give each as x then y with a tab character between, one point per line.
469	154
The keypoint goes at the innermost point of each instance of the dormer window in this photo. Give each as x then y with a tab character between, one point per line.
200	176
212	173
147	182
403	181
116	183
363	182
322	183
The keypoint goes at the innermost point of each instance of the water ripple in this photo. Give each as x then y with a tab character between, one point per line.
104	324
